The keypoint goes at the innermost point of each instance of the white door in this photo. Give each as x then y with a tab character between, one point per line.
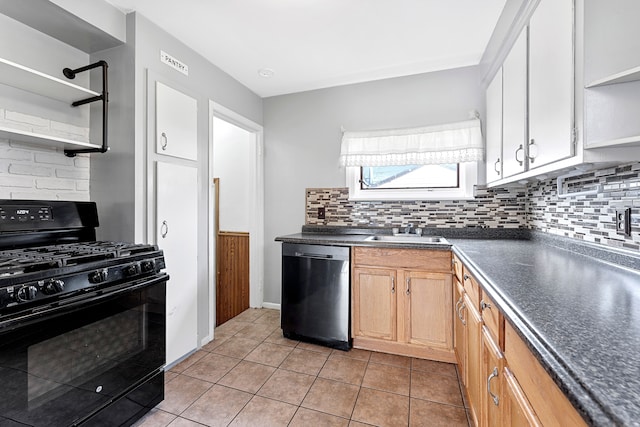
177	203
514	107
551	82
176	123
494	128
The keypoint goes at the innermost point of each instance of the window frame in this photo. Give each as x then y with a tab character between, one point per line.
468	178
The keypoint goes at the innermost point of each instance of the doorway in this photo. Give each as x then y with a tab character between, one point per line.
236	214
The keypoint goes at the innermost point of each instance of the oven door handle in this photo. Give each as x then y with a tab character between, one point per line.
69	304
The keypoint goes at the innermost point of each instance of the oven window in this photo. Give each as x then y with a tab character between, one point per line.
64	366
81	354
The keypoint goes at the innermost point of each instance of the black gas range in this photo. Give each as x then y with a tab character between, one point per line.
82	322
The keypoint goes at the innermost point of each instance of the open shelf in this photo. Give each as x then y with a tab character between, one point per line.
25	78
618	142
625	76
43	139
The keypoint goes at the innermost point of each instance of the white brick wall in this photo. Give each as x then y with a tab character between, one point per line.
25	122
29	171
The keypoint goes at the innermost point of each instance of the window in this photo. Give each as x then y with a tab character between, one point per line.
428	163
466	179
410	176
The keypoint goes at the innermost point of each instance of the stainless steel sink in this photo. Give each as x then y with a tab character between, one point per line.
408	238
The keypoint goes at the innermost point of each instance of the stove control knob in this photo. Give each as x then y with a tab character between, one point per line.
98	276
52	286
132	270
148	265
26	293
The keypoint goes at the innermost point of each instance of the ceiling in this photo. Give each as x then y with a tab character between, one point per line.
312	44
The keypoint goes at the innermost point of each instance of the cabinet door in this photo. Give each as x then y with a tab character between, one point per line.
517	411
474	371
494	128
459	330
374	303
176	222
491	385
514	107
551	83
428	301
176	123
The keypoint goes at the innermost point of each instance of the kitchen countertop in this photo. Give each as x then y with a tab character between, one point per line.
579	314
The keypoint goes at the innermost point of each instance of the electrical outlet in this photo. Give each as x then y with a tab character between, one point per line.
321	212
623	221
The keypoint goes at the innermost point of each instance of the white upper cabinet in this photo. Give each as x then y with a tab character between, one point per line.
551	82
176	123
494	128
514	108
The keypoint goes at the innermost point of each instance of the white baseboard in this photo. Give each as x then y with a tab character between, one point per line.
271	305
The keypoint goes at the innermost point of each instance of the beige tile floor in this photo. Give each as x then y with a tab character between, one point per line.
250	375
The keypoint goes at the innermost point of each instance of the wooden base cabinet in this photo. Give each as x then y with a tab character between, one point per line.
504	382
474	367
516	409
398	308
492	362
374	303
460	330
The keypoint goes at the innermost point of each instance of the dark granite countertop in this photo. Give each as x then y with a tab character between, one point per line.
576	305
579	315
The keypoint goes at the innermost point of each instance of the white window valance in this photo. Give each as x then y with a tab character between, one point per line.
448	143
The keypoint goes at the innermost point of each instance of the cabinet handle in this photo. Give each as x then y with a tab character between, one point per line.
465	277
163	141
484	305
408	285
462	319
393	285
533	150
458	308
520	162
493	375
495	166
164	229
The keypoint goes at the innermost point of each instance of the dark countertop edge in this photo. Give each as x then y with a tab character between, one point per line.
591	410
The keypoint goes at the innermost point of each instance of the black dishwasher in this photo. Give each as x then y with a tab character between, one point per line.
315	294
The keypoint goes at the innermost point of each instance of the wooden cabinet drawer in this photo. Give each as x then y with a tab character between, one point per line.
421	259
491	317
549	403
457	267
472	288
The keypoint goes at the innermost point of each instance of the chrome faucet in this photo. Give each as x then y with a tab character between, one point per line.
408	228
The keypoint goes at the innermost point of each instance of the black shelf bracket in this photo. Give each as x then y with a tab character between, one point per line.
104	97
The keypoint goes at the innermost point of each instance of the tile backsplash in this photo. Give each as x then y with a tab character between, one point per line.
537	206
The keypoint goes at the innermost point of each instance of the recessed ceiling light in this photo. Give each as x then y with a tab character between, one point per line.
266	72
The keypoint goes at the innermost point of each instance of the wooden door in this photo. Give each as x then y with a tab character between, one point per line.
374	303
491	381
459	329
473	344
516	411
232	286
177	236
428	309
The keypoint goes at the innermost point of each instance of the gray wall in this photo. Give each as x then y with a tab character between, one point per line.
303	134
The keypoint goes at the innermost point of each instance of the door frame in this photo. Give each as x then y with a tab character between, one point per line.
256	231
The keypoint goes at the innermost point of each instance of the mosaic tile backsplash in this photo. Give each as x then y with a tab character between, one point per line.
538	207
